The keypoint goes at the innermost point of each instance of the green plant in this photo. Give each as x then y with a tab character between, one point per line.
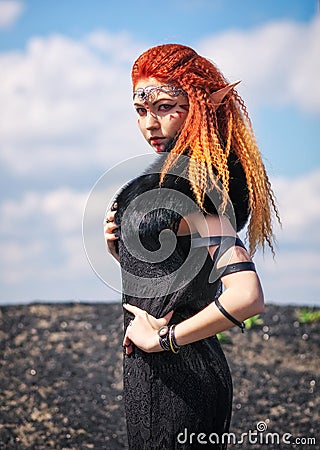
223	338
250	323
308	315
253	321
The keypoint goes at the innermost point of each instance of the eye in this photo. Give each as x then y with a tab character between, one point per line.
141	111
165	107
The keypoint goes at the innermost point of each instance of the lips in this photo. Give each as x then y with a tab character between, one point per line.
156	140
158	143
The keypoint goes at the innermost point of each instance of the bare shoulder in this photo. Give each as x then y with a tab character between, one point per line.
206	225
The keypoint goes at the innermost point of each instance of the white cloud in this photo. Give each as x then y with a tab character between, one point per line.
10	11
66	107
278	62
67	104
36	230
299	208
41	244
126	49
42	247
62	209
293	276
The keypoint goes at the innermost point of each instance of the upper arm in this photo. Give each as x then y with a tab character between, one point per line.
230	260
228	253
219	226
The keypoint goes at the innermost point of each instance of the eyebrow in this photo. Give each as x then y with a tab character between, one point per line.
154	103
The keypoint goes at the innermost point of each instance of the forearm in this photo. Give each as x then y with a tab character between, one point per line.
116	256
240	303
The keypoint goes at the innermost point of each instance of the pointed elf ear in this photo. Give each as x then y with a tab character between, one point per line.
219	95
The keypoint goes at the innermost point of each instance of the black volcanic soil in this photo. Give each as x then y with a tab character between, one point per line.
61	385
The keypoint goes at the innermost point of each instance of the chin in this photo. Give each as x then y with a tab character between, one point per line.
166	147
159	151
169	145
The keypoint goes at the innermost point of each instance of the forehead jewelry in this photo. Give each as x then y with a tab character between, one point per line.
148	93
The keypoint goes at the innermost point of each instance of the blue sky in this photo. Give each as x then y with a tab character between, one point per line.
67	118
178	20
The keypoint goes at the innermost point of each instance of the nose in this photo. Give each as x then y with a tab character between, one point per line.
152	121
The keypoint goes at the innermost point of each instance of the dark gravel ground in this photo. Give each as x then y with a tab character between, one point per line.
61	385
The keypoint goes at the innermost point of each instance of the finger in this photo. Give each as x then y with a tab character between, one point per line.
111	237
109	228
165	319
133	309
126	341
168	316
129	349
127	344
109	217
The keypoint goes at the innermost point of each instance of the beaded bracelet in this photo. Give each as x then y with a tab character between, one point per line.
175	348
167	339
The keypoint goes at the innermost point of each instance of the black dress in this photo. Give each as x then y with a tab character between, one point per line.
172	401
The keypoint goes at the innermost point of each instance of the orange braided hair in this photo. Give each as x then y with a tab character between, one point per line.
210	133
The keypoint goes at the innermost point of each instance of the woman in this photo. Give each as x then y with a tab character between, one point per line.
210	180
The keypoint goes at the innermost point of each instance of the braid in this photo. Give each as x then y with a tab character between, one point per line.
259	187
209	135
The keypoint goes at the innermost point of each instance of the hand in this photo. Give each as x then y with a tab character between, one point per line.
143	330
110	238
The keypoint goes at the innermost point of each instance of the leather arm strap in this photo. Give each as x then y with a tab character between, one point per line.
232	319
237	267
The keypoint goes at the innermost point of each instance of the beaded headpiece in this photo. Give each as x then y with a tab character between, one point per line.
148	93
